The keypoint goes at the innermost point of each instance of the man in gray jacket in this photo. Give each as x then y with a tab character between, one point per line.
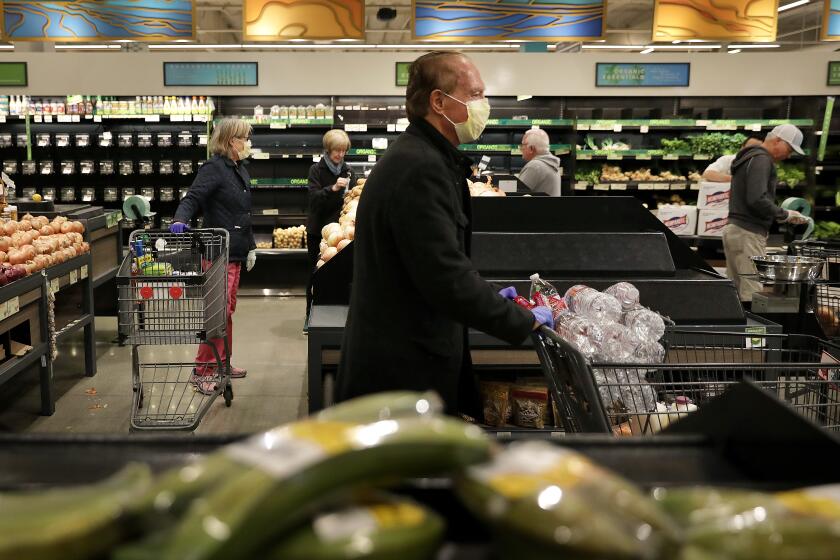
542	170
752	204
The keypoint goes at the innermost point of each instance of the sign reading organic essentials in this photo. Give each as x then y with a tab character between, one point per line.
13	74
210	74
402	73
834	73
651	74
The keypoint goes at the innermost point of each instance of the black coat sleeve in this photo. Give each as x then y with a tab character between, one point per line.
319	194
421	219
202	188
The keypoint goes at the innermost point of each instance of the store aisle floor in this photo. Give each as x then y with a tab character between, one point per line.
267	342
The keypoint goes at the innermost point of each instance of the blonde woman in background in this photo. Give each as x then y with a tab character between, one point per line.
221	192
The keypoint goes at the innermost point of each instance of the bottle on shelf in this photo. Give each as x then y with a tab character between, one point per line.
98	108
202	106
39	107
4	105
88	106
194	106
167	107
182	109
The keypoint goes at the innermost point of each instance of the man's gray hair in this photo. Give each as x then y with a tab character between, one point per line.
537	138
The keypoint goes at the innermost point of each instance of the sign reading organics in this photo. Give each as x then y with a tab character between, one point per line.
402	73
13	74
651	74
834	73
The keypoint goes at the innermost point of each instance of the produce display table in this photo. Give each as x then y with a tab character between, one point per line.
72	284
105	237
24	320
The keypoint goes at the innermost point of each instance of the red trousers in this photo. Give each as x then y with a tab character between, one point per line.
205	354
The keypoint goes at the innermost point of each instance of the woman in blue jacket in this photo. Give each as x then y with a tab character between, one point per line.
221	192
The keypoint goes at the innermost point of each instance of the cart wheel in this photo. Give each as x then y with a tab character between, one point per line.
228	395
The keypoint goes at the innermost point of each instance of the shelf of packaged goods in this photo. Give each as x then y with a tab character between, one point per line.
282	124
755	125
62	119
512	149
638	155
519	123
638	186
294	183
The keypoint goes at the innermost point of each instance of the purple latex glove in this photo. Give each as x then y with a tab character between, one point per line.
178	227
543	316
508	293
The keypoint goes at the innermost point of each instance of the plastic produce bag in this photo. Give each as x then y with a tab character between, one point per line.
546	501
727	524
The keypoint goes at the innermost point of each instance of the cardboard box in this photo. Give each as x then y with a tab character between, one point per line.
713	195
711	221
682	220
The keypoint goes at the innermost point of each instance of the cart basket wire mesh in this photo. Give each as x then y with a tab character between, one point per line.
179	297
628	399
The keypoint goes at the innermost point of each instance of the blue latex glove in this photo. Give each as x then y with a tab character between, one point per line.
178	227
509	292
543	316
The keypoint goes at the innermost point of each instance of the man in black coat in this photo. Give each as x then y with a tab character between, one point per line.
415	291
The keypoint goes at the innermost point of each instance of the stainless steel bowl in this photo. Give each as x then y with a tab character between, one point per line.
786	268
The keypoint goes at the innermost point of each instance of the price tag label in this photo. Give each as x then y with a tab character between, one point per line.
583	127
361	128
371	158
97	118
284	156
84	272
199	118
643	156
54	285
152	118
614	156
391	128
4	310
39	118
646	186
581	186
616	127
401	127
12	306
260	155
64	118
602	187
176	118
671	157
702	157
618	186
88	117
75	118
316	158
678	186
2	118
695	187
644	129
271	212
74	276
661	187
277	125
702	123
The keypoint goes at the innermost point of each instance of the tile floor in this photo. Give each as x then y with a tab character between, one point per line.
267	342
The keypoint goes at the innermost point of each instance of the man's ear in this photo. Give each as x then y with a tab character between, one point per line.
436	101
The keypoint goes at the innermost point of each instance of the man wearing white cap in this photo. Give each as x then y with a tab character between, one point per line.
752	204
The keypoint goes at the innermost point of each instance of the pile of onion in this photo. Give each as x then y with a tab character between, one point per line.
34	243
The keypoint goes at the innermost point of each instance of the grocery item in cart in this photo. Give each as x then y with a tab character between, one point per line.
648	325
540	496
530	406
626	293
495	402
625	391
589	302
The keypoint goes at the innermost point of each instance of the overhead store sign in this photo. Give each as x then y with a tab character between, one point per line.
735	20
210	74
13	74
653	74
497	20
139	20
272	20
834	73
831	21
402	73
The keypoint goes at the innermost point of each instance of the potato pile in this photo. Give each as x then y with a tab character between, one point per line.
337	236
613	173
484	189
290	238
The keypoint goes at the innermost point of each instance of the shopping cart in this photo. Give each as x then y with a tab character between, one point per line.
825	294
636	399
176	295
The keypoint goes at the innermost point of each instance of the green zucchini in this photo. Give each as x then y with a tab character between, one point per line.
156	269
286	472
560	502
383	529
745	525
383	406
73	523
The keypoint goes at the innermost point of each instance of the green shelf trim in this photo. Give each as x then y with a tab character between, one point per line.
530	122
608	124
364	152
281	182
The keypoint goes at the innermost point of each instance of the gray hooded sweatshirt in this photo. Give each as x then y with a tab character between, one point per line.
542	174
752	203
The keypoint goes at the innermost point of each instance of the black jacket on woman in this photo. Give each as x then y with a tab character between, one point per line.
221	192
414	289
324	204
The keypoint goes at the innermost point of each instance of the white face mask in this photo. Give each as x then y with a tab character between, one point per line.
478	111
245	153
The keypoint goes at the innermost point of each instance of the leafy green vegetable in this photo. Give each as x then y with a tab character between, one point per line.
716	143
790	174
826	230
674	145
590	173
